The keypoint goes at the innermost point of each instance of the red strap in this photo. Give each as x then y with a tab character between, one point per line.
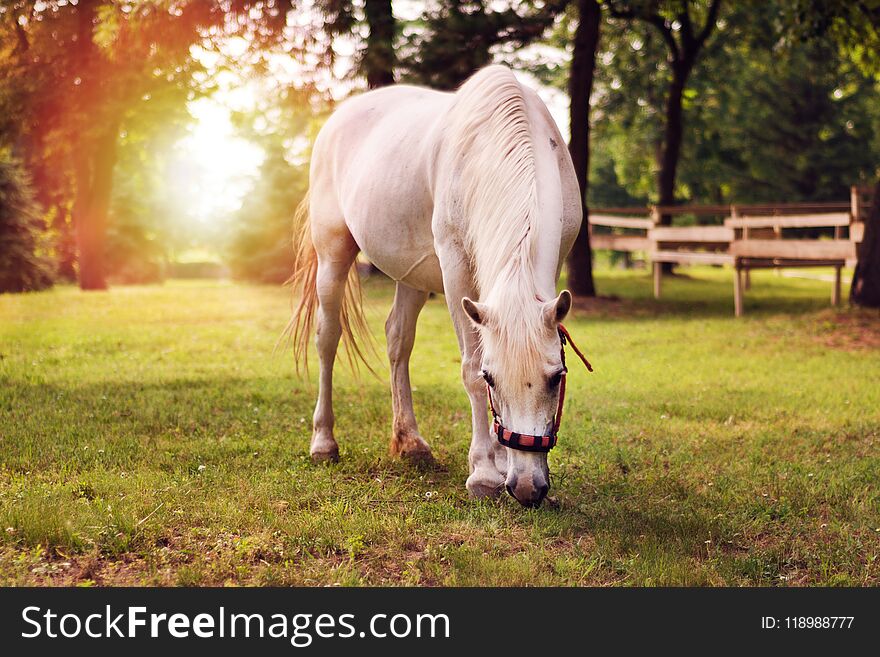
564	332
558	422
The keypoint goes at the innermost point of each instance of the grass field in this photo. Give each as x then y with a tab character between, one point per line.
151	435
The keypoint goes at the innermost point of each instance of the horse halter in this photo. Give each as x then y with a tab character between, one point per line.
544	442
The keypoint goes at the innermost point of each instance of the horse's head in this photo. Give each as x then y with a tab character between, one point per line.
523	368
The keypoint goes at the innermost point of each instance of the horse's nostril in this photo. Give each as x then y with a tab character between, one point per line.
542	492
531	498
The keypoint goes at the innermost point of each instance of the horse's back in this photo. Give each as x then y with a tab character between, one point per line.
385	157
371	169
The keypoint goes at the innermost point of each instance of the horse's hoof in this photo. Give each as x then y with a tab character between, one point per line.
481	488
411	447
319	458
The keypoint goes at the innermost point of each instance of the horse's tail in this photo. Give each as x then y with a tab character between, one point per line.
304	284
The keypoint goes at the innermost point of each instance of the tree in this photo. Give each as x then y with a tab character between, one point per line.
459	35
769	118
260	250
379	58
23	263
32	95
580	87
376	58
684	42
98	62
102	63
853	28
865	290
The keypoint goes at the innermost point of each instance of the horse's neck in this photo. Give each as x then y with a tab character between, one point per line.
503	184
533	271
520	281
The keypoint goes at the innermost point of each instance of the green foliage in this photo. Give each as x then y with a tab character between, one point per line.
852	27
831	106
134	254
262	249
783	106
457	37
778	120
24	265
146	224
767	117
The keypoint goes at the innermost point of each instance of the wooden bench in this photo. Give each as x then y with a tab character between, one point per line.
759	244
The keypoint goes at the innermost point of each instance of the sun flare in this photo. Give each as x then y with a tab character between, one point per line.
213	166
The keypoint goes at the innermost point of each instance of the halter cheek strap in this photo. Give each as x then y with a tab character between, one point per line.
544	442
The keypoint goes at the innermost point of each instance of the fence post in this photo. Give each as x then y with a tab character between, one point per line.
747	273
835	291
854	204
656	267
737	290
658	277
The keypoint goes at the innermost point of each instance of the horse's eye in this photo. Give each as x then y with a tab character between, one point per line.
488	378
554	381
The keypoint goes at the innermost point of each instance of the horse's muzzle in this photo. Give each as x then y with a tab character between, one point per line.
529	494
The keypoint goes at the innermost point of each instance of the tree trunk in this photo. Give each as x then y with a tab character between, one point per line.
379	58
88	224
94	186
865	290
671	150
580	86
672	136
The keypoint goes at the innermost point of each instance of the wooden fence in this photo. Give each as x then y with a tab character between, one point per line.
748	236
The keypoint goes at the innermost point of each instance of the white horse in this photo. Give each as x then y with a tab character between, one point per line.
471	194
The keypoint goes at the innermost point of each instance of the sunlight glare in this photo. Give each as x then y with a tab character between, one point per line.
214	167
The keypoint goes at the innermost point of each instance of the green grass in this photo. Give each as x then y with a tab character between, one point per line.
151	435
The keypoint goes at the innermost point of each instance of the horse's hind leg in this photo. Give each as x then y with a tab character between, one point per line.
400	333
336	250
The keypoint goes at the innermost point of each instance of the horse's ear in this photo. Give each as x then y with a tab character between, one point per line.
555	311
476	311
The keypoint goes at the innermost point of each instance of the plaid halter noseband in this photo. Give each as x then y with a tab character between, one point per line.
545	442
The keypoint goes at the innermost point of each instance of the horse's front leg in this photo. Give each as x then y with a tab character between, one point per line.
487	463
400	334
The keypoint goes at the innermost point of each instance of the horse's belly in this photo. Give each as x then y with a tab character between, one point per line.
425	275
418	269
391	223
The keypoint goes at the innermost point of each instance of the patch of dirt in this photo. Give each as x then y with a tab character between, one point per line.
94	570
850	330
611	306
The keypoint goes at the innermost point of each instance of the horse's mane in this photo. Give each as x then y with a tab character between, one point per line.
497	188
492	141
